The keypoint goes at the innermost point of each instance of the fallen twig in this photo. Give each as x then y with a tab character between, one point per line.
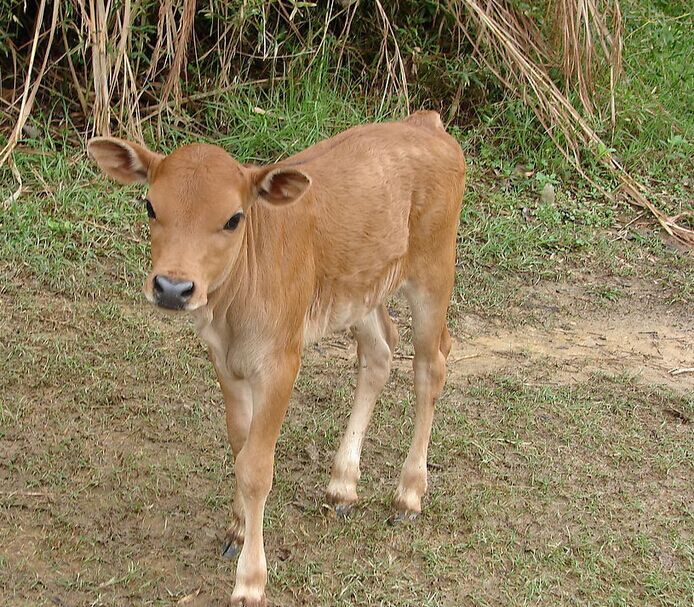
681	370
466	357
189	597
43	494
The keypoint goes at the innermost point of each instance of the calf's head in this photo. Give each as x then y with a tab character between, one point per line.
198	202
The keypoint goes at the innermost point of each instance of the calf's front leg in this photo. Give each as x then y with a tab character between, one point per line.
238	402
254	470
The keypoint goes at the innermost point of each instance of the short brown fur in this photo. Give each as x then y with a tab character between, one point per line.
326	237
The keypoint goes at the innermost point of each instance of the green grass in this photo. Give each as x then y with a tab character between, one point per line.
71	221
655	96
654	134
72	226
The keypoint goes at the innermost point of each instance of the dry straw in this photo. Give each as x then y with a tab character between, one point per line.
124	82
511	47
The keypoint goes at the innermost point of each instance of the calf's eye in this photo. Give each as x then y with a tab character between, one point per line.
233	223
150	210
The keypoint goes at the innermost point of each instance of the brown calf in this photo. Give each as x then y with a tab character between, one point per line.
270	258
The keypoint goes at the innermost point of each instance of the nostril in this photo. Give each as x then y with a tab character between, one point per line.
188	289
158	286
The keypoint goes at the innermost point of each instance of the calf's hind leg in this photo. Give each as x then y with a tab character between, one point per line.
376	337
432	344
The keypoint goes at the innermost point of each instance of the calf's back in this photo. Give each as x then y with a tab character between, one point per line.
380	196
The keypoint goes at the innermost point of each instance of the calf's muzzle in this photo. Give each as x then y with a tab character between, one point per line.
172	293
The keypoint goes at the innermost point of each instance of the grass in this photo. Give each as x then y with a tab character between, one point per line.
562	495
64	234
656	96
551	483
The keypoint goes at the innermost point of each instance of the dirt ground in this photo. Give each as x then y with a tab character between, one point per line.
652	346
560	473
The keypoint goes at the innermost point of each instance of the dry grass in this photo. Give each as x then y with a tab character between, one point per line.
25	102
507	43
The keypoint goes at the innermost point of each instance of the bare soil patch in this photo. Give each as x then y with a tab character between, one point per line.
651	348
560	335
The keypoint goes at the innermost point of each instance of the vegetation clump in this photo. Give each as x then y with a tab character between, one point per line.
129	67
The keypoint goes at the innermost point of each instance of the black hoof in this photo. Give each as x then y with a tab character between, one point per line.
402	517
343	510
230	549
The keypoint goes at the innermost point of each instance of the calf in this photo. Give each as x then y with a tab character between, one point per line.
270	258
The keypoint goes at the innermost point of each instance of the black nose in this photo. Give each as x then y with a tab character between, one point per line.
172	293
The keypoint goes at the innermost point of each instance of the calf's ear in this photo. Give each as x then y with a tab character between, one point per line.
124	161
281	186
